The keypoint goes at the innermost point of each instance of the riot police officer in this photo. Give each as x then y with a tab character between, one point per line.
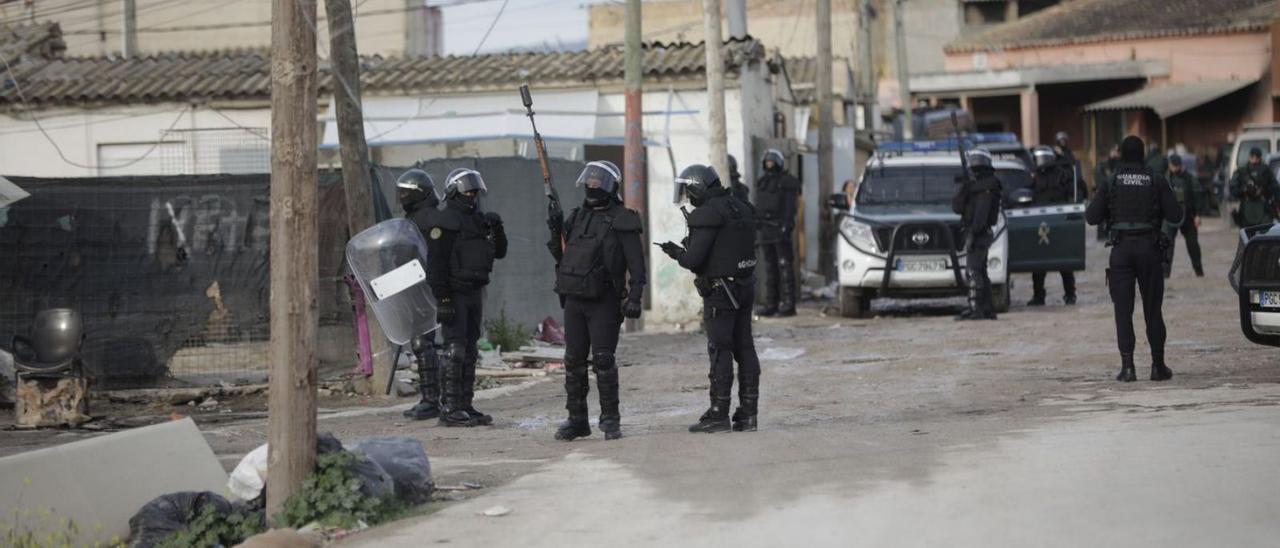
600	274
1187	190
721	252
418	197
1138	204
1052	184
736	188
776	195
1255	186
1104	172
463	243
978	203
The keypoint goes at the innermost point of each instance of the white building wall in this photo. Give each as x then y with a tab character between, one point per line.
79	134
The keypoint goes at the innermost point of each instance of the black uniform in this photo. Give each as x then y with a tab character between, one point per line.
1053	185
1137	203
775	205
462	244
1256	188
425	350
599	272
721	252
1104	172
1187	190
978	203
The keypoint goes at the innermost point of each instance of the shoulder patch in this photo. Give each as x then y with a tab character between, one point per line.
705	217
627	220
436	233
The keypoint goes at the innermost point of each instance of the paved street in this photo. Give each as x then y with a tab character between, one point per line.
907	429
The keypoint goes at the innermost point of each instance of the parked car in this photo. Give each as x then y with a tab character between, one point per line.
900	238
1255	276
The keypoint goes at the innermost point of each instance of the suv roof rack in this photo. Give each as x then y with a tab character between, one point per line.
1262	126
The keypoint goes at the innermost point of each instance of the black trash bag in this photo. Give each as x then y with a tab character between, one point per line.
406	461
374	480
168	514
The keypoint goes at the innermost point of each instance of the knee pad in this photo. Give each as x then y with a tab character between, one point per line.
423	344
456	353
603	362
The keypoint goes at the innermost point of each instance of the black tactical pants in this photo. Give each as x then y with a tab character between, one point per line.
591	326
779	267
975	263
460	338
729	340
1192	236
1068	283
427	355
1136	259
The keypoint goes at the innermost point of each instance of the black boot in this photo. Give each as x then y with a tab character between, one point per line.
607	383
428	383
716	419
1127	372
767	311
1037	300
576	388
786	289
454	412
469	388
744	417
1199	270
1160	371
1069	299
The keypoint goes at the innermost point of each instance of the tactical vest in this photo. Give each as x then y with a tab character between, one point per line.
472	251
771	193
986	187
734	252
583	273
1132	200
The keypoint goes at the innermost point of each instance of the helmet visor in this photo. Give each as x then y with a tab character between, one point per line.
601	176
682	186
774	155
463	181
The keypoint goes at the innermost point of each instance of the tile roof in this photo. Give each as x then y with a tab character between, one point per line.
35	40
1091	21
181	76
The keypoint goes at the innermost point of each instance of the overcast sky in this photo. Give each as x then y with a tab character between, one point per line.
523	23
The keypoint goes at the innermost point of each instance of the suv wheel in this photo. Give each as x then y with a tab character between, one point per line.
854	303
1000	298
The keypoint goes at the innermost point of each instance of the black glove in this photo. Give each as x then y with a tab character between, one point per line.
555	221
493	220
445	313
672	250
631	309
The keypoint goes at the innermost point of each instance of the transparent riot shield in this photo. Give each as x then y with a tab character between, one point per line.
389	260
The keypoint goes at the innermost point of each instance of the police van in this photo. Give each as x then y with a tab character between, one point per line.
900	239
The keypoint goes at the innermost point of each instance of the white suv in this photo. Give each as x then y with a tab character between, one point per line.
900	238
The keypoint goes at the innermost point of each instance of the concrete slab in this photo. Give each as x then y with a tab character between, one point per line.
99	483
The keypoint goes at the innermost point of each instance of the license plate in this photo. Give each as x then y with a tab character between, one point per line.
930	265
1269	299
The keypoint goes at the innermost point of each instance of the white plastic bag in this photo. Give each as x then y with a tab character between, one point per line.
250	476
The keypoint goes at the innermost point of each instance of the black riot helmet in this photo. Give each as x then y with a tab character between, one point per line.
779	161
1062	139
698	183
733	167
601	182
979	159
463	181
1044	156
414	187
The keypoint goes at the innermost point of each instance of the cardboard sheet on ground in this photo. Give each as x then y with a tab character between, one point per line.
100	482
10	193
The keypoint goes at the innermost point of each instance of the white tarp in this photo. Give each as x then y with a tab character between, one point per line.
409	120
10	193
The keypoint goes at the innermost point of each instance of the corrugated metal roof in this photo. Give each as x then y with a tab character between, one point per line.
1171	99
181	76
40	40
1090	21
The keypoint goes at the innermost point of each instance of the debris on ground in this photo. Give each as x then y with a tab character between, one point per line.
165	515
781	353
496	511
283	538
405	460
550	332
